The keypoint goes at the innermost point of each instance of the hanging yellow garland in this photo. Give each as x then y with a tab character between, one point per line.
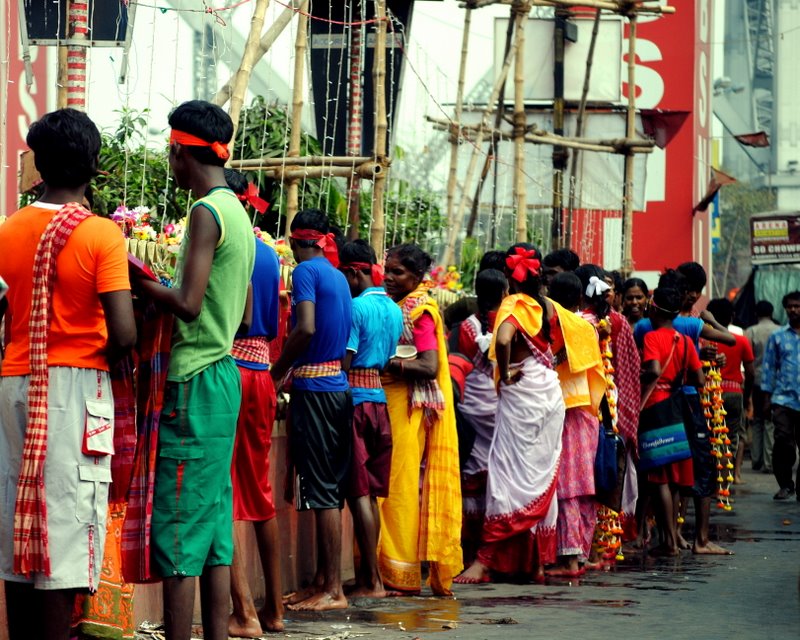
714	412
608	532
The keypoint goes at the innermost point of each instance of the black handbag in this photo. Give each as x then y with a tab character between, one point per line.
610	463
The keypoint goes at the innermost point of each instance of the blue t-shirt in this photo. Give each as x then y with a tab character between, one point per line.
266	308
377	326
685	325
317	281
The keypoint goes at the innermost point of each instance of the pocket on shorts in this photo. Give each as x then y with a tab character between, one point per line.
92	494
181	478
98	431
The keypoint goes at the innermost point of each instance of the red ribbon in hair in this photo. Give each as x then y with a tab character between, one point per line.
325	241
376	269
252	197
521	263
181	137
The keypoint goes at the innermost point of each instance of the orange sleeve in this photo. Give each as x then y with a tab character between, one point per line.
111	258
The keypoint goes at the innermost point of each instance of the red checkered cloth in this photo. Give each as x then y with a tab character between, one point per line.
154	328
251	349
365	378
318	369
31	554
627	365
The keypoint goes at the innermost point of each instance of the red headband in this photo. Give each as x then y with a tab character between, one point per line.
325	241
181	137
252	197
376	269
521	263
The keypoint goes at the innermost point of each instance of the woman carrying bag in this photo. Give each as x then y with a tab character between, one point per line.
670	361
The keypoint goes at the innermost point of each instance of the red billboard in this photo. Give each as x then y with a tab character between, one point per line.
23	104
673	75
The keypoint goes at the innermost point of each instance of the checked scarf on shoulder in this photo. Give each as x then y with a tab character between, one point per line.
30	513
425	394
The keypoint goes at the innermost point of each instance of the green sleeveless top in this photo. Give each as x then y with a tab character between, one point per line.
209	337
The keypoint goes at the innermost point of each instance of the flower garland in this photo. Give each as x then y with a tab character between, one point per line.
448	279
608	531
714	412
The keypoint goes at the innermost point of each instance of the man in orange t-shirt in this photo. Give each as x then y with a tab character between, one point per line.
90	326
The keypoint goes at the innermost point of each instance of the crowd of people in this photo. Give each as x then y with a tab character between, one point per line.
525	434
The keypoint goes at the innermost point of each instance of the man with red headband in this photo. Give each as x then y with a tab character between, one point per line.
192	526
319	414
375	332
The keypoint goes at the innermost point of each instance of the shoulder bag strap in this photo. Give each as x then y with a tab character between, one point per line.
653	384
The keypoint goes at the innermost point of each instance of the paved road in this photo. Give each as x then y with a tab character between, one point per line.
753	594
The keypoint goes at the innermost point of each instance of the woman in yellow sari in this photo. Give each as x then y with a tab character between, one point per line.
419	521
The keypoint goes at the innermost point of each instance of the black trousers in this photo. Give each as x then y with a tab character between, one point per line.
787	440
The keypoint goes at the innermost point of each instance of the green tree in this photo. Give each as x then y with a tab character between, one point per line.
738	201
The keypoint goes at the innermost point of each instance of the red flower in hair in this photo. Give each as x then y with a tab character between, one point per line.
522	262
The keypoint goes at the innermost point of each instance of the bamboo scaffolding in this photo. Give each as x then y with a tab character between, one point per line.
293	187
455	133
378	230
630	130
456	222
538	136
249	58
267	40
338	161
290	171
520	125
624	7
573	172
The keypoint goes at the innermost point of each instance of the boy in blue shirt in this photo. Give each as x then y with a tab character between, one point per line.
319	418
375	332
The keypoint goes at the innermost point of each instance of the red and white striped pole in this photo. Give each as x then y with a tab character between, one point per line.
72	57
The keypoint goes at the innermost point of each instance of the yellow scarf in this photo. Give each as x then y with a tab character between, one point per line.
582	376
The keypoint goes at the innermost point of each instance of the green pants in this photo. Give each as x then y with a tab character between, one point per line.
193	506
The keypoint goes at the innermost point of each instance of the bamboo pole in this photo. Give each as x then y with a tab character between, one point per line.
249	58
354	126
455	133
625	7
368	171
587	78
630	131
267	40
61	82
537	136
340	161
456	222
293	188
491	157
377	234
520	123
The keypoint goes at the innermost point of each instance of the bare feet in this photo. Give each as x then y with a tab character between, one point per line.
368	592
244	628
683	543
269	624
564	572
662	551
302	595
738	480
711	549
322	601
477	573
